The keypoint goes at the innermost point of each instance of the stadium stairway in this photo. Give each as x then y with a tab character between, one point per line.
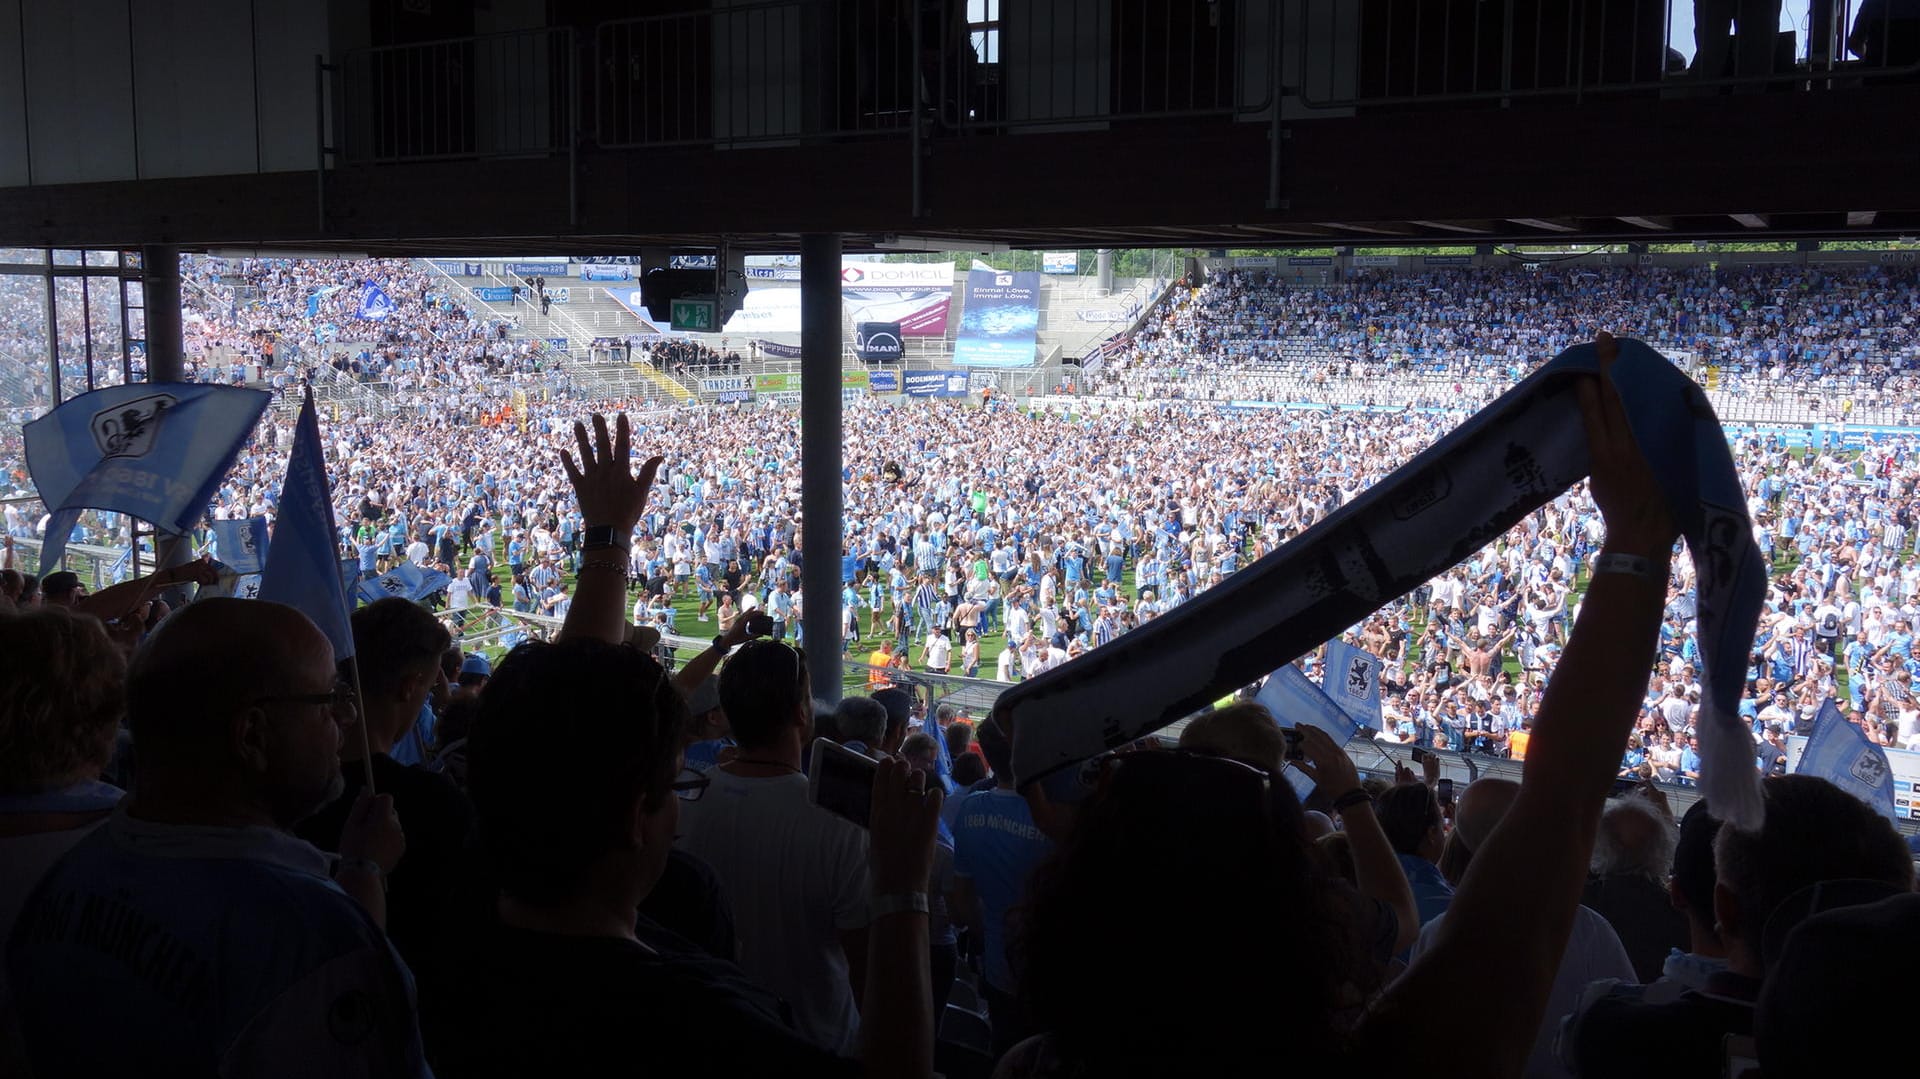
669	386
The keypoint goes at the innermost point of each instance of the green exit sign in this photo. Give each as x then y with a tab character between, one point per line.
697	315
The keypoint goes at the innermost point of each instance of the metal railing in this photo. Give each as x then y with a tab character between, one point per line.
1349	53
495	95
762	72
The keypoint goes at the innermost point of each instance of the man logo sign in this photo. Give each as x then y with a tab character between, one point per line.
128	430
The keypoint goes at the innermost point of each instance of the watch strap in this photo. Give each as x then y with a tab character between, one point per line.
1353	798
896	903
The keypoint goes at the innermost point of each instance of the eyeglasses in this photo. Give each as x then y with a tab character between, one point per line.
340	699
690	784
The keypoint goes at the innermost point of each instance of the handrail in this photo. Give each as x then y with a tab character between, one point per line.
1397	55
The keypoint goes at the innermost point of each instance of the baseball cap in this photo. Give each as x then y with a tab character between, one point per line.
59	583
475	663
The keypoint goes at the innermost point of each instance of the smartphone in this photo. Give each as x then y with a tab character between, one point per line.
1294	752
1623	786
1443	789
759	624
1421	756
841	781
1301	783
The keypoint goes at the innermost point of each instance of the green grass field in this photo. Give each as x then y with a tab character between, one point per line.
686	623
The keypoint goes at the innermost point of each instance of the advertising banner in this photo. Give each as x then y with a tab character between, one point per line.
1108	314
936	383
1310	260
1000	321
1448	260
1060	262
779	351
767	310
607	273
774	273
537	269
724	383
778	383
889	275
559	344
1255	262
494	293
884	382
877	342
560	295
854	380
733	397
917	295
1376	261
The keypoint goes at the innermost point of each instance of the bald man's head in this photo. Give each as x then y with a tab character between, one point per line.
211	701
208	657
1482	805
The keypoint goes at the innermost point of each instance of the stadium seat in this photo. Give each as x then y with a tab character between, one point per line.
965	996
970	1029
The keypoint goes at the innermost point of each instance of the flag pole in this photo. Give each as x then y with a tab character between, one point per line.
360	713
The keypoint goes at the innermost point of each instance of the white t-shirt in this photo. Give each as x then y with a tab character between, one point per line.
459	593
1593	952
939	650
797	877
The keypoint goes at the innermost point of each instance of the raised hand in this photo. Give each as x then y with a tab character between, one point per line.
607	491
905	815
1630	500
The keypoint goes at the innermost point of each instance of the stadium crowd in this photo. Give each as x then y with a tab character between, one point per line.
1763	327
209	838
1002	549
291	316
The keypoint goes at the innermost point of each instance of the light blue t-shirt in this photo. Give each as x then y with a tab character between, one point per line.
215	951
996	846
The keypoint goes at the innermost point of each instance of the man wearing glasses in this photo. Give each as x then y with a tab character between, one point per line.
217	939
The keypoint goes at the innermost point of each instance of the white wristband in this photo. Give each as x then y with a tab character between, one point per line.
1631	564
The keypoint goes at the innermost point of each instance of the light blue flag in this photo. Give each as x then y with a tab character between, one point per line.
1458	495
1840	753
1829	713
1293	699
375	304
313	301
1352	679
241	544
407	581
153	451
303	561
